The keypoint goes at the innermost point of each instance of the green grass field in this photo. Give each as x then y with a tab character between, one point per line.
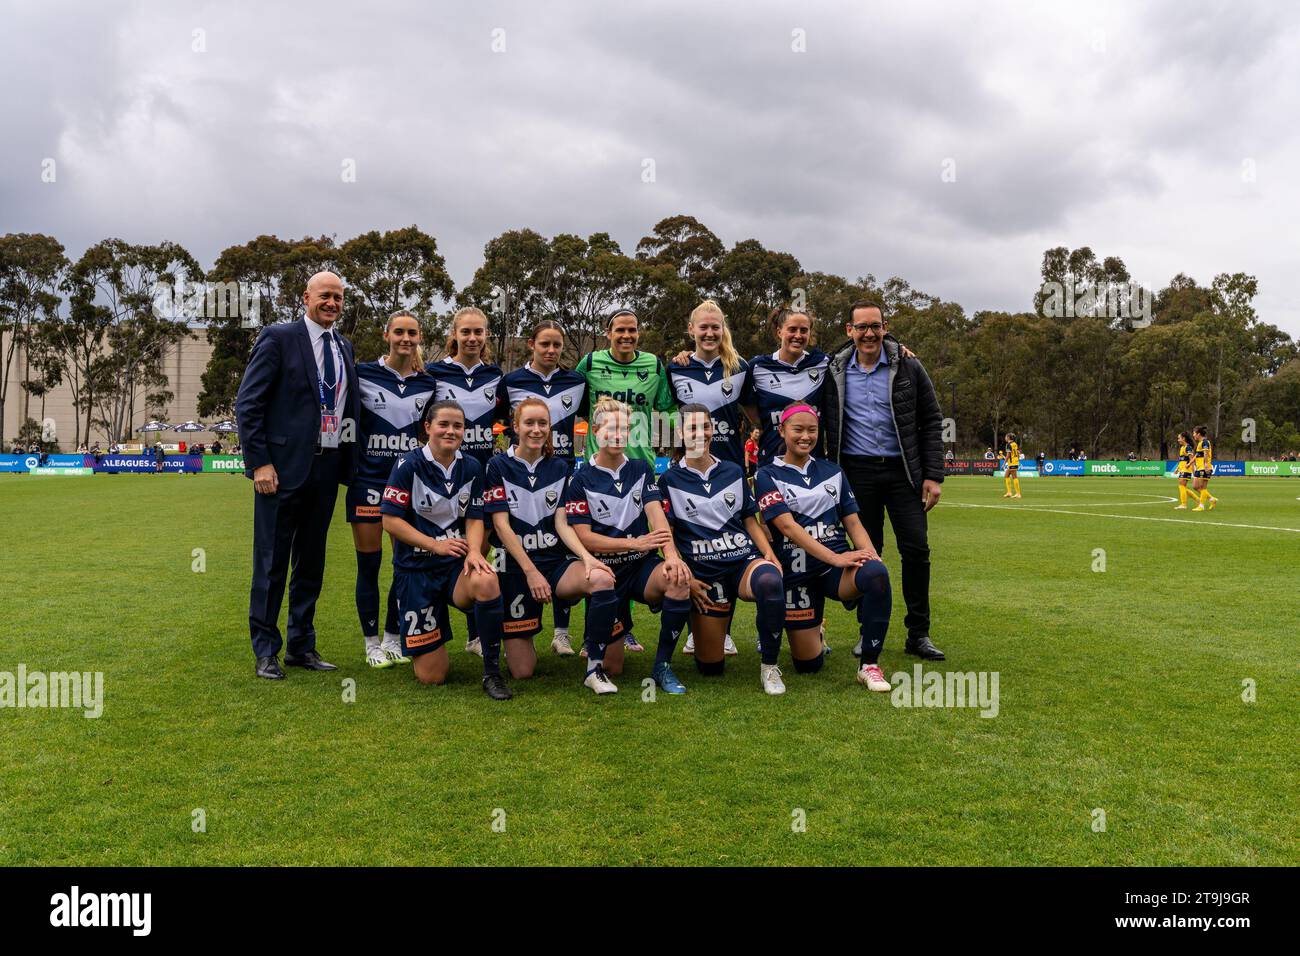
1119	690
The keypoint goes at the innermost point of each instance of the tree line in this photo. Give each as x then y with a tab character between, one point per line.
1095	362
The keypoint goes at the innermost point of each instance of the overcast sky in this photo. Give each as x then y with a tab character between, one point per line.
1165	135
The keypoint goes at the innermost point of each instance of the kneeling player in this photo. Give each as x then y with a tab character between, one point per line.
433	509
808	505
614	505
715	527
524	489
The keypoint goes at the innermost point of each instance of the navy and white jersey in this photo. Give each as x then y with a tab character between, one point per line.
612	502
530	494
818	498
707	511
476	391
562	391
436	501
390	418
711	386
774	384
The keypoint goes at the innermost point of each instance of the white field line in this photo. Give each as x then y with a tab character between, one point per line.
1094	514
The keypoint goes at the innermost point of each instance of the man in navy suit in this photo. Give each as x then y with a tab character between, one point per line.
297	408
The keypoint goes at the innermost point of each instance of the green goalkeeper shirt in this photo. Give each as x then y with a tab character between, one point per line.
642	385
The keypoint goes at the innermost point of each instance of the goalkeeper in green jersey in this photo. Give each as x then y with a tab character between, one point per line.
638	380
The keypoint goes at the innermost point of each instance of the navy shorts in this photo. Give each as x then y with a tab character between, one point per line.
723	586
631	578
423	600
523	611
1203	473
363	503
805	598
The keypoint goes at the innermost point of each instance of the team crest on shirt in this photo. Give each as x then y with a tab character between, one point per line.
420	402
814	375
567	401
730	499
831	490
727	388
552	497
643	376
636	498
463	501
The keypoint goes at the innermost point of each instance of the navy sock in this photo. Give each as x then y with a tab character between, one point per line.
368	591
769	596
489	615
602	609
561	612
390	619
872	579
471	627
673	616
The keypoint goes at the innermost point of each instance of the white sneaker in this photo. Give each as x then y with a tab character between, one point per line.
872	677
599	681
376	657
771	677
690	644
857	648
560	644
391	645
729	647
474	647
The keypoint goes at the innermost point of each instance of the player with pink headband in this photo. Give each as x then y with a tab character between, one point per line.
809	508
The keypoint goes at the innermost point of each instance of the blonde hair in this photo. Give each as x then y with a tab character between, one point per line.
607	406
548	448
730	357
469	311
408	314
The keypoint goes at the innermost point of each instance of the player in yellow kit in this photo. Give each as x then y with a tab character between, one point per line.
1184	470
1202	469
1012	473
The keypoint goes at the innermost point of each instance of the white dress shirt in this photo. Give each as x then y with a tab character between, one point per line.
317	333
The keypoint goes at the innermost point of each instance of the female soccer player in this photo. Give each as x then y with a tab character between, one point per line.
1184	469
545	560
614	505
1203	469
809	506
563	391
433	509
714	376
394	391
1012	473
795	372
715	528
466	377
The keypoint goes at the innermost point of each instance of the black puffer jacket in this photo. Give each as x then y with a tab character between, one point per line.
917	418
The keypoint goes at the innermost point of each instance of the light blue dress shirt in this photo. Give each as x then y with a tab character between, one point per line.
868	417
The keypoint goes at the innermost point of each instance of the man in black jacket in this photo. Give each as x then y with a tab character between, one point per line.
884	427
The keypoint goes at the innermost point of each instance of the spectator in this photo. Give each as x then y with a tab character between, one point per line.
949	456
988	454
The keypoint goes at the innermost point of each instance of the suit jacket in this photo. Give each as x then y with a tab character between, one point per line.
278	408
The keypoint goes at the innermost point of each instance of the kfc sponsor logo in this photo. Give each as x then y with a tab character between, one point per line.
495	494
770	499
397	496
576	508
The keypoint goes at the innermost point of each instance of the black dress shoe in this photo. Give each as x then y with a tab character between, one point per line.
269	668
494	686
311	661
918	646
